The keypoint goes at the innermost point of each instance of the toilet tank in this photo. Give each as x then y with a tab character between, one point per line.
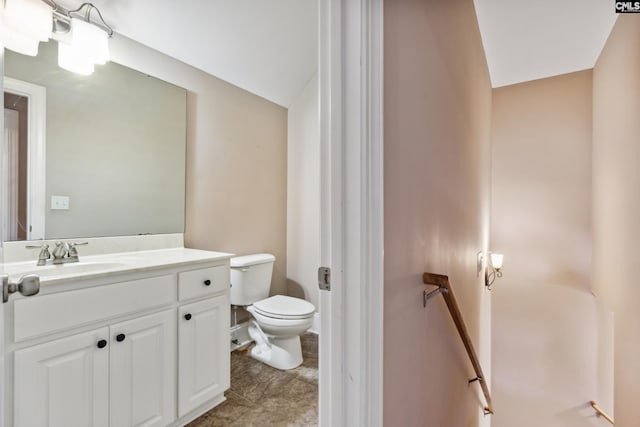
250	278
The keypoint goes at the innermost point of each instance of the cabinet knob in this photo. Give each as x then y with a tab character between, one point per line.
102	343
120	337
187	316
207	282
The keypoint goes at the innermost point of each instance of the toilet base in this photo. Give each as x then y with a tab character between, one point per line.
281	353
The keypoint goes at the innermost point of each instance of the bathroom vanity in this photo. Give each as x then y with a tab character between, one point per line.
127	339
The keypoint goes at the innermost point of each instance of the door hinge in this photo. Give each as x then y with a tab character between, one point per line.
324	278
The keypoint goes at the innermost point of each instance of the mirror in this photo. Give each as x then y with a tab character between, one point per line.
115	147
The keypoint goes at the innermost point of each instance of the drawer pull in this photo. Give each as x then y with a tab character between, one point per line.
102	343
187	316
207	282
120	337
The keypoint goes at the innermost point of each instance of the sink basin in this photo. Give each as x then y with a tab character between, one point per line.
64	270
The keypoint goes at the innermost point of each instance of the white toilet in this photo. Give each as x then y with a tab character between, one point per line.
278	321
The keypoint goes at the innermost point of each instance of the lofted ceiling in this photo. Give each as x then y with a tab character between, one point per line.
532	39
267	47
270	47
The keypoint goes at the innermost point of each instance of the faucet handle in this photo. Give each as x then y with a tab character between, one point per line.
73	252
42	246
44	254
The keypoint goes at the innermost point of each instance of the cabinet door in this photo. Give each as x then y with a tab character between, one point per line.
203	352
63	383
142	368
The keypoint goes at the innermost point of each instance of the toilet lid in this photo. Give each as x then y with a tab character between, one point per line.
285	307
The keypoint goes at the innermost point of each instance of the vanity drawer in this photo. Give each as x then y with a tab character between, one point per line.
46	314
202	282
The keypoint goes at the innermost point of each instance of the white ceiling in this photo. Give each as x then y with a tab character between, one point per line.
532	39
270	47
267	47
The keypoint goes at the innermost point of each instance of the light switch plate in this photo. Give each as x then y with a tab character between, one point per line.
60	203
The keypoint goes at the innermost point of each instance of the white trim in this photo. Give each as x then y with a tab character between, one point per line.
36	180
351	113
9	178
373	212
331	358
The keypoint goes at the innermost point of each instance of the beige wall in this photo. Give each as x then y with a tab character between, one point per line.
545	320
437	105
616	203
236	160
303	195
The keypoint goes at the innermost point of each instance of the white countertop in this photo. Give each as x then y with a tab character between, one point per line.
97	266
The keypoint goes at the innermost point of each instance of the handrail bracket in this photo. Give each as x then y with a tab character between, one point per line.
472	380
426	296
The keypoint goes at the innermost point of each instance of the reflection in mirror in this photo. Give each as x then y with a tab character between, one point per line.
23	178
113	154
14	155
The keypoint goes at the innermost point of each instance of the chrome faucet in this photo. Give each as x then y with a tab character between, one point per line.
66	252
61	254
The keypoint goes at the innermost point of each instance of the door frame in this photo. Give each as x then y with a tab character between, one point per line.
36	160
352	235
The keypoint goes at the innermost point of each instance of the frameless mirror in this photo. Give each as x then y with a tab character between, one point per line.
112	155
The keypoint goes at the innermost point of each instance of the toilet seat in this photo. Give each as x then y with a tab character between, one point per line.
284	307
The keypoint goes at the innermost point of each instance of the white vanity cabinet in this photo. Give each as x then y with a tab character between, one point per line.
142	371
203	364
149	348
123	375
63	383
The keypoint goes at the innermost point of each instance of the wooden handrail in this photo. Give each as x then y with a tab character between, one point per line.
444	288
601	413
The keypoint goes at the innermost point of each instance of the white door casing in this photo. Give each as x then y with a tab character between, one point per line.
36	178
9	179
351	212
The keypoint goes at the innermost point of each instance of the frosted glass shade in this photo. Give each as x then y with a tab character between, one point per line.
26	23
70	59
20	43
90	41
496	260
89	46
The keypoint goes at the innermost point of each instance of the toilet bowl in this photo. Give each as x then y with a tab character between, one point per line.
277	329
277	321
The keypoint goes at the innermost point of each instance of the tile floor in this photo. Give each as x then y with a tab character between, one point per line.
264	396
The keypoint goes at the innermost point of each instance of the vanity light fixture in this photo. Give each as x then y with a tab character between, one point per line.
493	268
82	41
